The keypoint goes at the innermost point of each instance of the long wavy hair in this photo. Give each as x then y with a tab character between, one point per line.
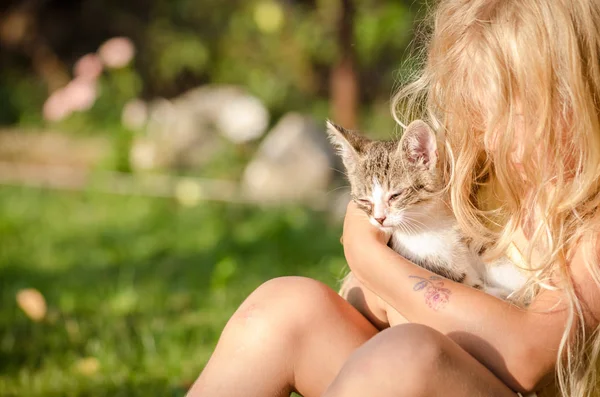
514	88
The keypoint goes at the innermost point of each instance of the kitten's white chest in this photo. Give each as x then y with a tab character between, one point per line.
440	248
430	244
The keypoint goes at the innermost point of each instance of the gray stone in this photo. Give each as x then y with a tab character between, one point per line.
185	133
237	115
294	163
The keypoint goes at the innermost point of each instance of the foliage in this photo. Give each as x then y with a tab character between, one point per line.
281	51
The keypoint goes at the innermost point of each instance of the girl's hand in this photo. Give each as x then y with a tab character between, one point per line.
360	236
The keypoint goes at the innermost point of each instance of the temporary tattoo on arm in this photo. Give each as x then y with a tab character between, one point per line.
436	296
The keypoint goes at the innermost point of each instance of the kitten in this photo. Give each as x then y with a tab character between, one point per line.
399	185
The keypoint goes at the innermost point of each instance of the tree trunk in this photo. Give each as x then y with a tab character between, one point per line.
344	87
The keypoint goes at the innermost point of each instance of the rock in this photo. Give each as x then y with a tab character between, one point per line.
237	115
185	133
293	163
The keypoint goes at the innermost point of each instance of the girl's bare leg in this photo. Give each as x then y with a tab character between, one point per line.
413	360
371	306
290	334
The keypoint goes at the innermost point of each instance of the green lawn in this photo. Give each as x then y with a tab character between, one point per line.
138	287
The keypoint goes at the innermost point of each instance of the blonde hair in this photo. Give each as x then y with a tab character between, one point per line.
489	67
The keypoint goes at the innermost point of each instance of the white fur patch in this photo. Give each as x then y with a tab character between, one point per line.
503	273
379	201
435	243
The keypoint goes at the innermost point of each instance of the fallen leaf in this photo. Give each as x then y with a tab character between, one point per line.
88	366
32	302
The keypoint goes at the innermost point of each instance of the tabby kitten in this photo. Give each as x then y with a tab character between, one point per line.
399	185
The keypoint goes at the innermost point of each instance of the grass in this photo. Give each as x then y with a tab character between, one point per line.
138	289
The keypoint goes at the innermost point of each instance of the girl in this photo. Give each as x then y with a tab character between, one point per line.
514	85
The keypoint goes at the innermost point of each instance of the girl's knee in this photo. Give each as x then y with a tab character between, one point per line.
412	347
292	299
423	346
400	359
281	307
302	290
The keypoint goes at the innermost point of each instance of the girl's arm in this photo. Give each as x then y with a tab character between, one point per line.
520	346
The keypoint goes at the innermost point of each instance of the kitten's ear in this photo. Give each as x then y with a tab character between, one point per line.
349	144
418	145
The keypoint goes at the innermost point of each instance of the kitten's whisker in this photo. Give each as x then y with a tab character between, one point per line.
338	188
412	219
340	171
426	216
409	224
411	227
414	228
408	229
405	228
416	222
399	227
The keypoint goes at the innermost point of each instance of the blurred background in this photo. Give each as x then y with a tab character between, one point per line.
160	159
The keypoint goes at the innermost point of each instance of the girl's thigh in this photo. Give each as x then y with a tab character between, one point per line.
414	360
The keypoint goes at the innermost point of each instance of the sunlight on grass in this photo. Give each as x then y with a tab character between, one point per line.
137	289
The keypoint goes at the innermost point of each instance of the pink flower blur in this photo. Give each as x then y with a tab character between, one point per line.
80	94
88	67
117	52
56	106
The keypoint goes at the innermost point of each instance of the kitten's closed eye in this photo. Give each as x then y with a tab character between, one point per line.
395	196
364	202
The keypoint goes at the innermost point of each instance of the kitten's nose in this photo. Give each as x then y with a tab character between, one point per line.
381	220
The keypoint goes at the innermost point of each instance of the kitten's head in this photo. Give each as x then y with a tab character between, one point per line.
394	182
